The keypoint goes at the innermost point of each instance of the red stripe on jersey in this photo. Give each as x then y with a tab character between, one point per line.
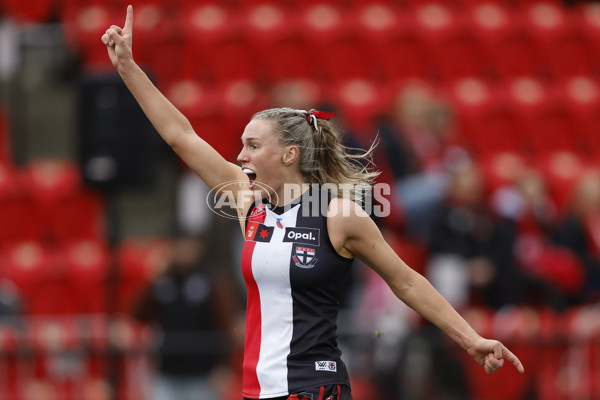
321	392
251	385
253	319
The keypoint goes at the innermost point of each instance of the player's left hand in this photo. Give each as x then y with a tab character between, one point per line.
490	354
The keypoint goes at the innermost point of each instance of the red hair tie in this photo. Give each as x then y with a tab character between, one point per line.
312	117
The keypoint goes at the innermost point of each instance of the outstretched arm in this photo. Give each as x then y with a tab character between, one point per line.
355	234
170	123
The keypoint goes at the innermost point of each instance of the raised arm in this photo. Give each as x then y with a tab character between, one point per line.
353	233
170	123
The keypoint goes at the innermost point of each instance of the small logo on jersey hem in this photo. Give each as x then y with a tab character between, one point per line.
329	366
304	257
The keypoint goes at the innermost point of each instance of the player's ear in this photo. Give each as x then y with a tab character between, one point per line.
290	155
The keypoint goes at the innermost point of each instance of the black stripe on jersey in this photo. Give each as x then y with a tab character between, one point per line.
316	291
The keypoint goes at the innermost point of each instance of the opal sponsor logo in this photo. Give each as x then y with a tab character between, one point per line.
302	235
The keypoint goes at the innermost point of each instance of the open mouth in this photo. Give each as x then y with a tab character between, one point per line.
251	175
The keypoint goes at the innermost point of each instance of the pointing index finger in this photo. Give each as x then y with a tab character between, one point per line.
508	355
129	19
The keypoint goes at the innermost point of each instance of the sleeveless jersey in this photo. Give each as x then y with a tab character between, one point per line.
294	279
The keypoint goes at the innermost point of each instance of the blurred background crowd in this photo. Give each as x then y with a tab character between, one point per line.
117	281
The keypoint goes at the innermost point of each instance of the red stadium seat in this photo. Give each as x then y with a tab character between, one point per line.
163	69
508	47
544	123
557	34
289	57
454	50
84	26
35	11
216	47
201	104
403	55
87	264
491	23
332	44
50	180
79	217
154	29
274	40
218	130
302	94
9	182
359	101
486	122
207	22
581	95
193	98
322	22
229	59
33	268
139	261
238	101
501	169
65	211
588	14
562	171
264	21
390	43
21	220
377	22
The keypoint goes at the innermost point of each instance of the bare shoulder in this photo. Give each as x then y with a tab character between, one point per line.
346	212
346	221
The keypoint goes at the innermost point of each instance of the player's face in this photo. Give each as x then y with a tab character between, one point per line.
261	155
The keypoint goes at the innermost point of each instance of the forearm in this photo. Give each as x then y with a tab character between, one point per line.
170	123
422	297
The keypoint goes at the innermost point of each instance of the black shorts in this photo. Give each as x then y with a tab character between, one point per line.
331	392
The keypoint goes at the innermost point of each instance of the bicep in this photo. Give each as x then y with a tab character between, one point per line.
372	249
363	239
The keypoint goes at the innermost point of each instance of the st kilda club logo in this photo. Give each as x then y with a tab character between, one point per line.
304	257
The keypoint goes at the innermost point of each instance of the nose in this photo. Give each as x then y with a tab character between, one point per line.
242	156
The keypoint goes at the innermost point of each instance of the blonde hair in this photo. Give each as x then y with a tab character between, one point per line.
323	158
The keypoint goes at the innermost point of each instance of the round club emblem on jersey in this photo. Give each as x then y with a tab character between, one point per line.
304	257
